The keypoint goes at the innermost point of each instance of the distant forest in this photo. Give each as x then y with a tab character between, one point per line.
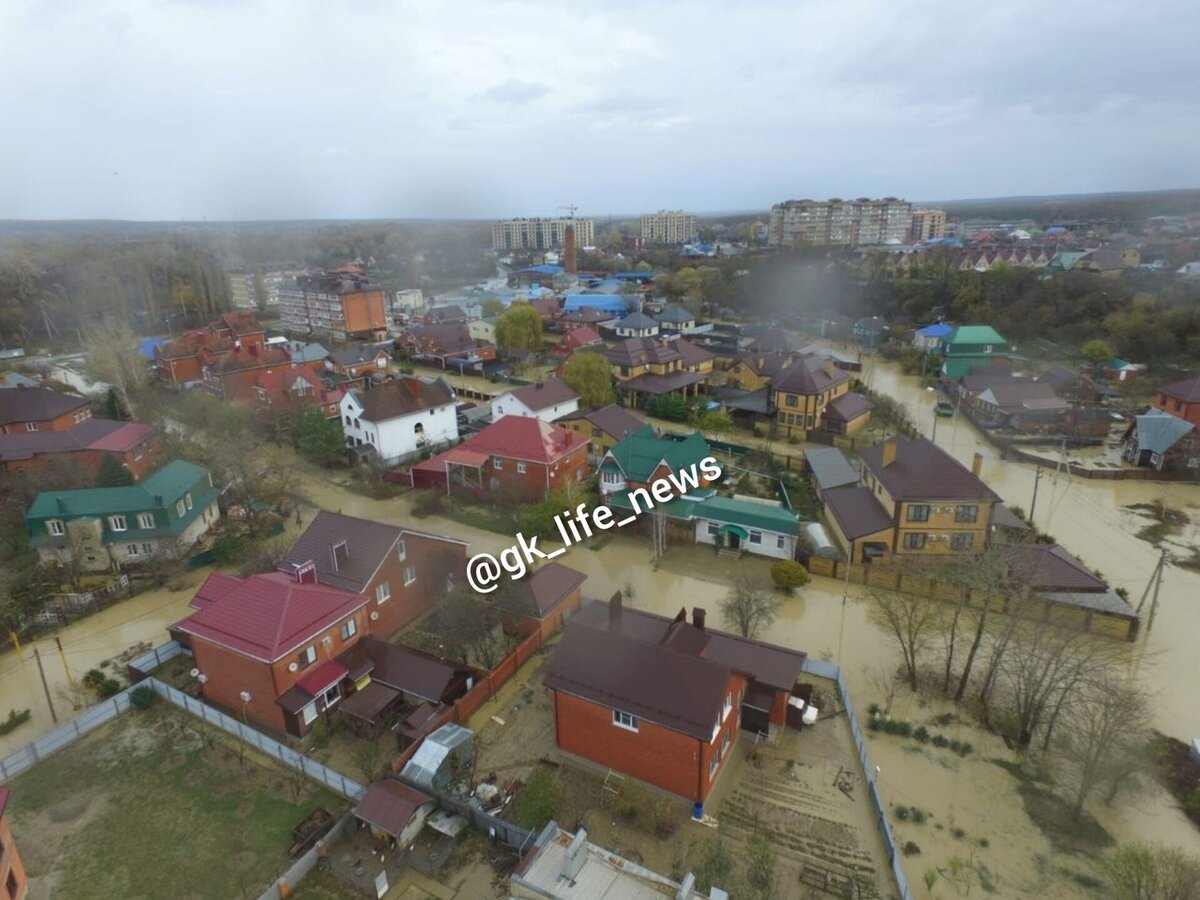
1119	208
59	279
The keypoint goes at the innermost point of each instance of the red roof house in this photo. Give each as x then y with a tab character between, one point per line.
293	389
265	645
80	449
517	456
577	339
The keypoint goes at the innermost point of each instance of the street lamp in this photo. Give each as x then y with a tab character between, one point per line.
933	437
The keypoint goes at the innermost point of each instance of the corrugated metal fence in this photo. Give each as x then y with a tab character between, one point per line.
834	673
63	736
141	666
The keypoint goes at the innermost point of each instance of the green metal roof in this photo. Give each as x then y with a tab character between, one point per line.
640	453
707	504
975	334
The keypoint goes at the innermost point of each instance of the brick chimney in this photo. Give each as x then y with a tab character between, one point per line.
829	367
977	464
889	452
698	617
615	605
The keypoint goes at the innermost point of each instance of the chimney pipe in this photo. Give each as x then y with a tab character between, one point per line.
889	452
615	605
977	464
829	366
698	617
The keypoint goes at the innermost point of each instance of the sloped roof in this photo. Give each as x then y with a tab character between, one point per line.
847	407
162	488
350	356
922	470
938	329
523	437
637	320
36	404
675	315
549	586
975	334
390	805
583	336
90	434
693	354
642	451
269	616
544	394
640	351
737	511
1187	390
1159	431
614	420
809	375
255	356
1016	393
402	397
403	668
830	467
1050	567
858	512
586	315
653	383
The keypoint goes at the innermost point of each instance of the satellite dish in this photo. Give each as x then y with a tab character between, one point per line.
194	673
246	696
374	616
293	667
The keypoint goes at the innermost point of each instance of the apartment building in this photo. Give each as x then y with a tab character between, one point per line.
540	234
669	227
341	304
839	223
244	293
927	224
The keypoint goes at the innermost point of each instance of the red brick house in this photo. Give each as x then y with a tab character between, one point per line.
577	339
232	376
260	638
239	326
293	389
404	572
549	596
81	449
442	342
13	881
25	409
1181	399
182	360
663	700
517	456
358	365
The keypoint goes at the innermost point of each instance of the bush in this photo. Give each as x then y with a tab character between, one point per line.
873	710
922	734
794	439
964	748
789	575
918	816
229	548
428	503
904	729
940	740
16	718
902	813
958	833
537	802
875	723
142	697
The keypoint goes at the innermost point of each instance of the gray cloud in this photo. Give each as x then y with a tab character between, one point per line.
515	91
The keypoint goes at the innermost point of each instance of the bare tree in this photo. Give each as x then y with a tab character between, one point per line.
113	358
1104	737
748	607
913	621
1144	872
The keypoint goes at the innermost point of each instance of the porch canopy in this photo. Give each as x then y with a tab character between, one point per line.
735	529
372	703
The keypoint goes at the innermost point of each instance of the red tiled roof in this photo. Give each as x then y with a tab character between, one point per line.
91	434
521	437
253	357
322	678
214	587
268	616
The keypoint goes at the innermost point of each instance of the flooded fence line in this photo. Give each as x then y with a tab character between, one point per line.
833	673
140	667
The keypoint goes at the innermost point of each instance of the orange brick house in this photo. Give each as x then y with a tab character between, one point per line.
548	597
663	700
517	456
82	448
233	375
182	360
27	409
13	881
260	638
1181	399
404	572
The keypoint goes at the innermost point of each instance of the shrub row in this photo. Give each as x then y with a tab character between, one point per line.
920	734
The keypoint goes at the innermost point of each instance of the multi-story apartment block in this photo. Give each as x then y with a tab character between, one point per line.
342	304
669	227
928	224
244	292
839	223
540	234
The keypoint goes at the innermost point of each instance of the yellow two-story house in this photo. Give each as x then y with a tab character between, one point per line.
647	366
925	502
754	371
801	392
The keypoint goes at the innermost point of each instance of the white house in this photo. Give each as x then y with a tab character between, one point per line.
399	419
546	400
636	324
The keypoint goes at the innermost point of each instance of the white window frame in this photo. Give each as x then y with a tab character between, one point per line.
497	463
625	720
137	452
713	529
410	575
756	537
349	629
401	551
780	542
180	509
113	520
383	592
187	499
308	656
132	550
145	520
308	712
31	426
520	468
56	527
334	689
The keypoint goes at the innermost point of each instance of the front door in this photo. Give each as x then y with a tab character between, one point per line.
735	542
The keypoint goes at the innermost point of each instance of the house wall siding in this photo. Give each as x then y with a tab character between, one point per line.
426	556
11	866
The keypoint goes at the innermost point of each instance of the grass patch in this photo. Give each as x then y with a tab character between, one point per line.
1178	773
1166	521
1052	815
151	787
318	885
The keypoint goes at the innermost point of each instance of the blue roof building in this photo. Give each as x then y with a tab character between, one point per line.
609	303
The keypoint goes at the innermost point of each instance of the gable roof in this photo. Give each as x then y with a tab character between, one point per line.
1016	393
637	320
368	544
810	375
975	334
641	351
693	354
268	616
675	315
922	470
161	489
848	406
403	668
582	336
830	467
544	394
639	453
586	315
523	437
1187	390
402	397
351	356
255	356
36	404
617	421
442	337
90	434
548	587
1050	567
390	805
857	511
1159	431
753	514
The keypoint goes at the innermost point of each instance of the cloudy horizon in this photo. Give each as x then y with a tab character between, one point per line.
210	109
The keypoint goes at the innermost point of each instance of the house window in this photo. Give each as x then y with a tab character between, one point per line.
56	527
966	514
308	713
610	477
410	575
383	592
714	529
349	421
520	468
117	523
756	537
962	541
147	548
180	509
792	400
349	630
131	550
914	540
401	551
145	520
918	512
497	463
625	720
187	499
137	452
332	696
728	706
779	542
419	428
308	656
31	426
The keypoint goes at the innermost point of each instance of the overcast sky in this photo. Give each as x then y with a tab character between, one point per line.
220	109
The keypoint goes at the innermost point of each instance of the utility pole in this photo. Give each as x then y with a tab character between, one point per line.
63	656
1033	503
45	687
1152	587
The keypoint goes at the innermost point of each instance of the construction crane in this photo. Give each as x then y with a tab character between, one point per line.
570	208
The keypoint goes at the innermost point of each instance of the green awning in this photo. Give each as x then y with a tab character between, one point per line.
736	529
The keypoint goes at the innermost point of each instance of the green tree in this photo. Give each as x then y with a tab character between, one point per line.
520	328
1097	351
1144	872
111	472
717	422
492	307
321	439
587	374
789	575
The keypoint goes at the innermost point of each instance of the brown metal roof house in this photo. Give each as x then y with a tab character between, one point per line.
663	700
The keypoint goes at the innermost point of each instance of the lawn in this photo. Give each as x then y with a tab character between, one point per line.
150	806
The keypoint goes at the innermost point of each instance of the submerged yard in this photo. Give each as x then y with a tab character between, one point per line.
150	806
